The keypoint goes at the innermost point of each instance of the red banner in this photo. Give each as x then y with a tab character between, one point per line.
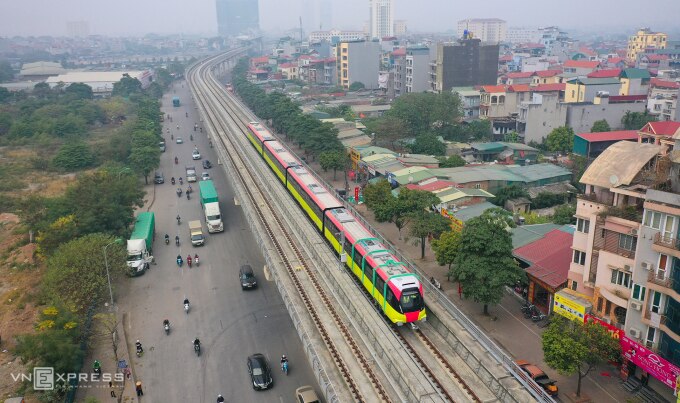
651	362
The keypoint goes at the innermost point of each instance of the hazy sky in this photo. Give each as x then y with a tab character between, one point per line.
134	17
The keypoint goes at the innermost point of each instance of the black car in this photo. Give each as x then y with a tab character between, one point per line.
158	178
206	164
247	277
260	373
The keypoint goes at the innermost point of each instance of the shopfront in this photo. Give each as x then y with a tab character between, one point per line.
572	305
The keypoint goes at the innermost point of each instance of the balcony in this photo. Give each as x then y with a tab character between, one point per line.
666	244
660	278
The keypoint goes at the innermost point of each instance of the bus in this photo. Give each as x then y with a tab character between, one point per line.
175	101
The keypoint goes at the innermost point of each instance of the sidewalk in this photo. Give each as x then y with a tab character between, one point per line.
102	350
518	336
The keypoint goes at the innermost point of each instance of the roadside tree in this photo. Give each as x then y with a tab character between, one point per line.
425	224
446	248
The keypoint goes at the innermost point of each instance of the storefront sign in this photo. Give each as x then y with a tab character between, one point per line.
613	330
569	308
650	362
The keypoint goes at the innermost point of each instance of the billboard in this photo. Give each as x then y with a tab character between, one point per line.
649	361
570	306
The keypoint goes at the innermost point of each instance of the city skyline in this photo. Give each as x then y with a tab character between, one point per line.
125	17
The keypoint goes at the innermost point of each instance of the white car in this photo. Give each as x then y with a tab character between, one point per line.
196	155
179	140
205	176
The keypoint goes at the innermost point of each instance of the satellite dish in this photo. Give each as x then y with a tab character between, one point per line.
614	180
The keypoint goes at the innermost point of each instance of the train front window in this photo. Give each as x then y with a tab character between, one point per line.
411	300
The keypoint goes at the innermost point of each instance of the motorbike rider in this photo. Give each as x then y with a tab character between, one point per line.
176	160
186	300
188	196
189	260
172	180
139	347
179	259
167	239
179	219
166	322
97	366
220	399
196	259
181	181
177	127
189	189
284	360
177	242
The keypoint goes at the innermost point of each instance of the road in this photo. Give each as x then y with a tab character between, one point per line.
230	323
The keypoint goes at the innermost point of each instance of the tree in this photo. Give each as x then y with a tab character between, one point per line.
6	71
484	264
571	347
5	122
79	91
564	214
545	199
446	248
76	272
451	162
5	95
356	86
512	137
73	156
424	224
144	160
561	139
60	231
428	144
479	129
333	160
409	202
636	120
427	112
114	108
508	193
600	126
377	194
126	86
388	130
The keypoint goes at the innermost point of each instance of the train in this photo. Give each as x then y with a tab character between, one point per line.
390	283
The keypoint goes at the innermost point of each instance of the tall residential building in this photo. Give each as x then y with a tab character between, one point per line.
380	18
551	37
400	27
418	59
235	17
78	29
335	35
522	35
358	61
491	30
465	63
645	39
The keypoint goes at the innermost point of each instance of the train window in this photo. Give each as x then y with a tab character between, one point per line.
392	300
411	300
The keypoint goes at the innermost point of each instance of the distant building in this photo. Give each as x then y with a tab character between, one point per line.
522	35
586	89
40	70
400	27
335	36
591	145
101	82
464	63
663	99
235	17
491	30
78	29
552	38
634	82
381	19
358	61
642	41
325	14
417	68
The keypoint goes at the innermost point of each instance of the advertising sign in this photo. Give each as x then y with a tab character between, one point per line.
615	332
569	308
650	362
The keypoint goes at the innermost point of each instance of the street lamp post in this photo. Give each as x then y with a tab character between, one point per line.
106	264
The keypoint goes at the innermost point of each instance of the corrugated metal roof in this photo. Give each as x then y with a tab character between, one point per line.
525	234
466	213
619	164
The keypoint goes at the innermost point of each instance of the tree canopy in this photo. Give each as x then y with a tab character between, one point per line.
484	264
636	120
356	86
126	86
564	214
452	161
561	139
73	156
600	126
446	248
425	224
378	193
509	193
333	160
427	112
428	144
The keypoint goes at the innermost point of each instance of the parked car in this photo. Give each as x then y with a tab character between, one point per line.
539	376
206	164
247	277
260	372
195	155
179	140
161	145
158	178
306	394
205	176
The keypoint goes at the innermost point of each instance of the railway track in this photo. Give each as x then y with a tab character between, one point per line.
431	362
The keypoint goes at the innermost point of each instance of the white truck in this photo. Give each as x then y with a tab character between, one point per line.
211	206
140	243
196	230
191	173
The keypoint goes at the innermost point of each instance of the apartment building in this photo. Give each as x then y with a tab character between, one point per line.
491	30
381	18
358	61
643	40
335	35
464	63
417	67
522	35
663	99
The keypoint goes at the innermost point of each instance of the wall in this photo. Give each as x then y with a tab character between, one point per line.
581	117
542	118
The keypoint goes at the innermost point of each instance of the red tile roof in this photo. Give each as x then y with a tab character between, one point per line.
547	73
493	88
287	65
659	83
520	74
655	58
519	88
505	58
431	187
550	87
587	51
610	136
605	73
661	128
399	52
614	60
582	64
261	59
550	257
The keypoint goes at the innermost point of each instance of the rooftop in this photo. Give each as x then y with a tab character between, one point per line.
581	64
606	73
597	81
493	88
619	164
466	213
635	74
609	136
520	74
502	173
547	73
525	234
549	257
666	128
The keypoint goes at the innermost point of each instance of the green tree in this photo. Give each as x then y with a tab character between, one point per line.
79	91
452	161
545	199
126	86
561	139
5	95
484	264
73	156
333	160
115	108
69	125
6	72
144	160
571	347
5	122
425	224
509	193
388	130
76	273
428	144
512	137
564	214
42	90
600	126
356	86
406	206
636	120
479	130
446	248
427	112
61	231
377	194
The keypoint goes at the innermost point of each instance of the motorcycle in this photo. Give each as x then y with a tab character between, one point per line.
197	349
181	181
191	137
196	260
201	129
186	308
166	326
189	261
140	350
172	137
179	220
188	196
177	240
284	367
176	160
167	240
97	372
538	316
179	192
436	283
172	180
179	262
186	114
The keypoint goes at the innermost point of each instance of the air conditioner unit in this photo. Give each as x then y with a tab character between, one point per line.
635	333
636	305
646	266
633	232
626	268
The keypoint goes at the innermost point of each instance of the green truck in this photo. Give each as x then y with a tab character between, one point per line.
211	206
175	101
140	244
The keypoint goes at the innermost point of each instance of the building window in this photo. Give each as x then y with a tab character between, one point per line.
639	292
651	333
599	304
574	285
627	242
652	218
608	308
582	225
656	301
579	257
621	278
